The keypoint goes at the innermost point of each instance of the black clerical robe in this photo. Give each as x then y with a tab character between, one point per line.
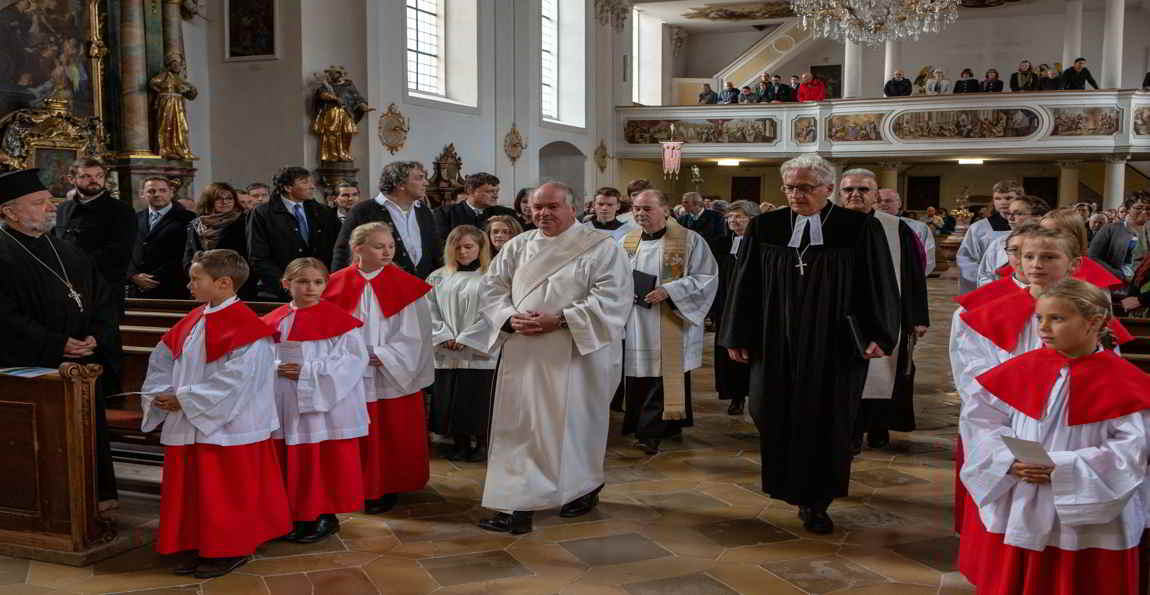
732	379
37	317
806	372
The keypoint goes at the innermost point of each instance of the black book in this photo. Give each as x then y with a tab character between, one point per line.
856	336
644	284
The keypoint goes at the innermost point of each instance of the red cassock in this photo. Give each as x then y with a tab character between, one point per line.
321	477
221	501
394	454
1102	386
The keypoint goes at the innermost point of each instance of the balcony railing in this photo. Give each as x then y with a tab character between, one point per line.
1061	123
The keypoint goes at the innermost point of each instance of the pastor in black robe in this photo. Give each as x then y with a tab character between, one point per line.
802	350
732	379
37	317
877	416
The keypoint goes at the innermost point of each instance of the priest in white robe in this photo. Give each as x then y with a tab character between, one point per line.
557	298
665	331
984	231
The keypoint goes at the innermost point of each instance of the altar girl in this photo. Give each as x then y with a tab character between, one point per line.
321	360
1073	527
397	332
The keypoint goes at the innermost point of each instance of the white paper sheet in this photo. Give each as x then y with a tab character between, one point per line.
1028	451
289	352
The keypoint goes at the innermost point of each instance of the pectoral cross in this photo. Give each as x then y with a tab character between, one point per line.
802	267
75	295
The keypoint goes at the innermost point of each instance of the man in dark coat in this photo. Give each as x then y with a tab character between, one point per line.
897	86
100	225
481	192
157	269
54	303
402	190
1077	76
702	221
289	226
813	299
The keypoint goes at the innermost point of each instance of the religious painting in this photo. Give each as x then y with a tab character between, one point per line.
832	75
959	124
742	11
44	52
1142	121
849	128
806	130
250	30
727	130
1086	121
54	164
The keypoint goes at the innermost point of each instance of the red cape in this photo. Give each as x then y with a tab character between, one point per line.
1102	385
1090	272
987	293
394	289
224	330
321	321
1001	320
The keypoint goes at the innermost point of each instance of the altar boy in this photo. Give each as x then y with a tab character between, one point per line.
211	382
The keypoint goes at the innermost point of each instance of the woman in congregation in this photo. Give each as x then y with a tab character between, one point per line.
500	229
1025	79
966	82
1071	523
732	379
991	84
523	209
464	372
222	224
1049	79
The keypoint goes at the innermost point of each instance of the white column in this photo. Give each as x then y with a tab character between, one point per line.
1112	45
1115	182
1072	33
893	59
1068	182
852	70
888	174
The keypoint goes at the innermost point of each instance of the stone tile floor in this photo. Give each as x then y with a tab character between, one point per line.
690	520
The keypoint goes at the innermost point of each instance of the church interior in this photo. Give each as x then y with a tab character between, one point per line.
592	93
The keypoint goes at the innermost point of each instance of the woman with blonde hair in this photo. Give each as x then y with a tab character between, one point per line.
464	371
500	229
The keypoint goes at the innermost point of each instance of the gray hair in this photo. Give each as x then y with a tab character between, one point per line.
824	171
571	200
745	207
692	196
395	174
720	206
863	172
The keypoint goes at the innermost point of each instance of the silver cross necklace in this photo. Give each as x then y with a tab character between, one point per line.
72	293
802	266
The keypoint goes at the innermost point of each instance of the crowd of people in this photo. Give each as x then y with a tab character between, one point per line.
515	346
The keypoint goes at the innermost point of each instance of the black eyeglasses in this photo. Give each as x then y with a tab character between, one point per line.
859	189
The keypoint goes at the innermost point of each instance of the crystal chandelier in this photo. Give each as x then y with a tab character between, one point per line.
875	21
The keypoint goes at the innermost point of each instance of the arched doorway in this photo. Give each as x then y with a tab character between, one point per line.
562	161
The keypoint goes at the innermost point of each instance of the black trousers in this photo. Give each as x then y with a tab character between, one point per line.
644	413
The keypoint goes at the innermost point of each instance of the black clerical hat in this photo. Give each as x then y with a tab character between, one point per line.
19	183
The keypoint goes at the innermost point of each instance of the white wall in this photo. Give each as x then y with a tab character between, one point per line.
707	53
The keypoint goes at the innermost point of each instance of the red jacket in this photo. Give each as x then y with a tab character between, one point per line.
815	90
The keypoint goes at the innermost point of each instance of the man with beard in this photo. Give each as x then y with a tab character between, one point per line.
54	303
101	226
157	269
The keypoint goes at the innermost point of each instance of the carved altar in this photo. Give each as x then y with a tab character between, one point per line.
446	178
50	138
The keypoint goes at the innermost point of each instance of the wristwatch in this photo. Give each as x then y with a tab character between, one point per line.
562	320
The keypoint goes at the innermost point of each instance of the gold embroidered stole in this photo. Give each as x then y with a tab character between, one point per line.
671	327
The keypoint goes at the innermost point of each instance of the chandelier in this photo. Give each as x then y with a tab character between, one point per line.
875	21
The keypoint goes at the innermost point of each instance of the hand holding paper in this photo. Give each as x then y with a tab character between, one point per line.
1032	463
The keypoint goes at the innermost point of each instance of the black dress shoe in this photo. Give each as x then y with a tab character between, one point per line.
325	525
816	521
213	567
298	528
879	439
188	566
649	446
517	523
737	405
381	505
581	505
459	450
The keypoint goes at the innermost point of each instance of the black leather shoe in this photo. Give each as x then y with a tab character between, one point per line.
816	521
188	566
649	446
213	567
381	505
878	439
460	449
326	524
298	528
581	505
736	407
515	524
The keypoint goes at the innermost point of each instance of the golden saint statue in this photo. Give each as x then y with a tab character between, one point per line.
171	128
338	109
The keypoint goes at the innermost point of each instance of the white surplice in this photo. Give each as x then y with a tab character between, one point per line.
692	295
402	342
926	236
455	316
616	234
1094	499
553	391
994	259
327	402
974	244
883	371
227	402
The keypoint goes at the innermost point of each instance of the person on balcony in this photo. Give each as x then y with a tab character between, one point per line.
897	86
748	96
1076	77
811	88
966	83
730	94
708	96
992	84
1025	79
1048	79
794	84
938	85
779	92
762	85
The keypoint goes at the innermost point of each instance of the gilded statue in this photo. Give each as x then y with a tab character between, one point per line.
171	89
338	109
